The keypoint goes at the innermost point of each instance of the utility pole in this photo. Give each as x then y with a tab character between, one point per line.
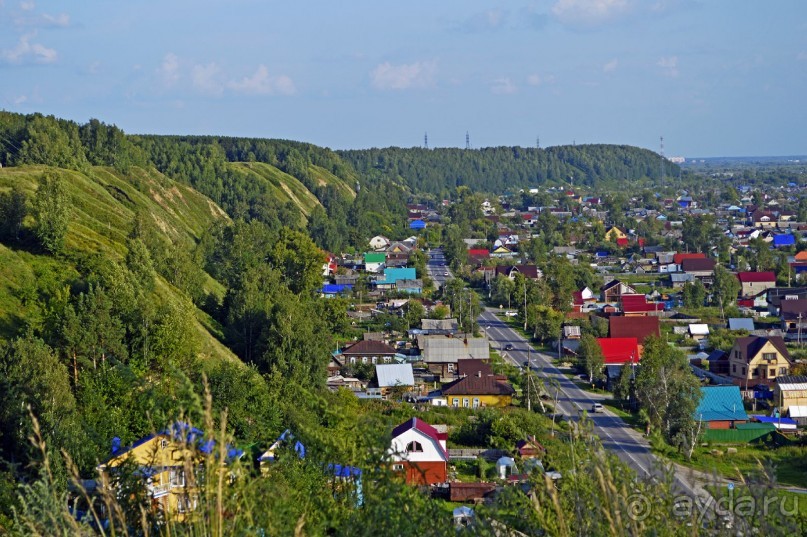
525	304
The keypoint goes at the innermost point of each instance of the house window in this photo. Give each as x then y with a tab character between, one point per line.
772	373
414	447
163	443
769	356
476	402
450	368
387	359
352	359
397	467
733	368
783	371
465	402
364	359
374	359
743	373
455	402
177	477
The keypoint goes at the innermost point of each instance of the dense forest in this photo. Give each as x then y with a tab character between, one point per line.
498	169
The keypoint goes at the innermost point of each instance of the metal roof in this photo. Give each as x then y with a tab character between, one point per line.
390	375
721	403
452	349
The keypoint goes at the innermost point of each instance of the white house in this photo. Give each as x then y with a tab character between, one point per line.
419	451
379	242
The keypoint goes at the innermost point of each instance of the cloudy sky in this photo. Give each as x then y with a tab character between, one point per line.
714	77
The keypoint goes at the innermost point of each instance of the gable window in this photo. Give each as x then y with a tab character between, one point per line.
414	447
397	467
769	356
163	443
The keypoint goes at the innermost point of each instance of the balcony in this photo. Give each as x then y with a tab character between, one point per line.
159	490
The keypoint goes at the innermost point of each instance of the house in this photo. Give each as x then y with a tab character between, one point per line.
475	391
393	275
721	407
698	331
373	261
702	269
439	326
162	460
614	289
618	351
784	240
790	397
286	439
398	247
379	242
368	352
478	255
754	283
741	323
677	281
412	287
531	272
334	382
418	452
793	314
758	360
613	234
417	224
638	306
442	354
392	377
634	327
473	366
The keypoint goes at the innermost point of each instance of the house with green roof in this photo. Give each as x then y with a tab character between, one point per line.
374	261
721	407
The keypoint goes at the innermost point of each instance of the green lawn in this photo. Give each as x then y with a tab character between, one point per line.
789	463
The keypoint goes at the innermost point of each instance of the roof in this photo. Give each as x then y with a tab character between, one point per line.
440	324
422	427
392	275
756	277
792	309
678	258
528	271
634	327
472	367
697	265
478	385
751	345
741	323
699	329
721	403
792	382
375	257
797	411
369	347
619	350
478	252
785	239
452	349
390	375
635	303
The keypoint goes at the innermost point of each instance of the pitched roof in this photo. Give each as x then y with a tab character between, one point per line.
634	327
793	309
619	350
422	427
390	375
370	348
749	346
741	323
472	367
478	385
375	257
697	265
756	277
442	349
678	258
792	382
721	403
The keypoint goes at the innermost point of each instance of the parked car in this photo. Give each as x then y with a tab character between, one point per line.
597	408
508	347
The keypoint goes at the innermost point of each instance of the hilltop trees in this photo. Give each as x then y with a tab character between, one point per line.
52	212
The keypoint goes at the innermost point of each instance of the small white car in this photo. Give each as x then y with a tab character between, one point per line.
510	313
597	408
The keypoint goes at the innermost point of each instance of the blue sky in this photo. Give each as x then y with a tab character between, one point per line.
714	77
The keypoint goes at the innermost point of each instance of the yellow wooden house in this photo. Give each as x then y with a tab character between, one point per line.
758	360
167	462
480	390
613	234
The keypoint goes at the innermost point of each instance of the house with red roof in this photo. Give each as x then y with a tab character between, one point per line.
477	255
620	351
754	283
636	305
418	452
679	257
640	328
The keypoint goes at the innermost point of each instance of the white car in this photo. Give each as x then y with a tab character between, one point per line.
510	313
597	408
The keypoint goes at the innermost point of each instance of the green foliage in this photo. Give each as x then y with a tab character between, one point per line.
694	294
591	357
13	209
52	212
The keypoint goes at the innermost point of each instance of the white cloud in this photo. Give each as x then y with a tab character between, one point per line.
169	69
22	99
62	19
94	67
261	83
205	79
669	66
611	66
589	13
27	5
503	86
26	50
802	56
534	79
405	76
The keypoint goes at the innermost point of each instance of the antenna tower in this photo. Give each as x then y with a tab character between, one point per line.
426	140
467	140
537	142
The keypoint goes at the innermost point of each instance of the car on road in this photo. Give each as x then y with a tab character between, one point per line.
510	313
508	347
446	273
597	408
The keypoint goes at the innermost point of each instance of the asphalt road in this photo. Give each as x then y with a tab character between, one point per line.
629	445
437	268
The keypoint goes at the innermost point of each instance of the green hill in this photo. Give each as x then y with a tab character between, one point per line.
104	204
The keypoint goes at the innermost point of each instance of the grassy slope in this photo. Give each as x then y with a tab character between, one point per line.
324	177
104	205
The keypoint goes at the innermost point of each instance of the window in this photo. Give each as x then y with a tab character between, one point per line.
773	372
414	447
465	402
743	373
374	359
450	368
476	402
769	356
352	359
185	504
783	371
163	443
733	368
364	359
397	467
455	402
177	477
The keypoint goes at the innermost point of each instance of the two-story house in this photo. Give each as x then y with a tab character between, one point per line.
758	360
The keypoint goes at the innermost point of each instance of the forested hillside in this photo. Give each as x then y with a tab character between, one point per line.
497	169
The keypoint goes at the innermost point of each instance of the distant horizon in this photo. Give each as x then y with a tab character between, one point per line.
715	78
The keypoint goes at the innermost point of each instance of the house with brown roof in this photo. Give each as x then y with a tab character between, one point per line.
613	290
479	390
367	352
636	327
531	272
793	314
702	269
758	360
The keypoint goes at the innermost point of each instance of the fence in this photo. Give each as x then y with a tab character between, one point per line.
741	435
473	454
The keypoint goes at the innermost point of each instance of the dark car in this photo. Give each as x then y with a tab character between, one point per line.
508	347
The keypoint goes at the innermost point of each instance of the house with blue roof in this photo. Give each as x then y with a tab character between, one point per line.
784	240
721	407
392	275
